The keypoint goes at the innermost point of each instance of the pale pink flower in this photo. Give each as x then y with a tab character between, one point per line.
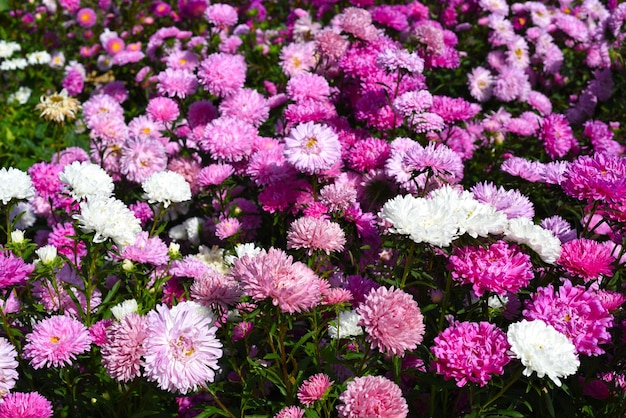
372	396
315	234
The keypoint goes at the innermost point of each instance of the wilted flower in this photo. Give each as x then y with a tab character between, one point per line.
58	107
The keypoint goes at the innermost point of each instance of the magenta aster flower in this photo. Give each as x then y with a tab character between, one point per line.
587	258
25	405
181	350
272	274
574	311
13	270
121	354
501	268
393	322
372	396
314	388
290	412
470	352
56	341
312	148
556	135
315	234
597	177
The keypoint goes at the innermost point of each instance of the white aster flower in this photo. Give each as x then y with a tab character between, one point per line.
13	64
345	326
47	254
108	217
17	236
38	57
540	240
166	187
122	309
21	95
401	212
86	180
241	250
542	349
8	48
15	184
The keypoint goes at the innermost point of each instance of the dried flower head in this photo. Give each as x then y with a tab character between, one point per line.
58	107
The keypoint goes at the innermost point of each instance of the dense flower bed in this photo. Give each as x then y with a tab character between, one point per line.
318	208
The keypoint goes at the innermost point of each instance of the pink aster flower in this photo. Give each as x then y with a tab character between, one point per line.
64	238
297	58
222	74
393	322
13	270
163	109
221	15
597	177
142	157
25	405
372	396
470	352
86	17
213	289
312	148
308	86
501	268
480	82
214	174
56	341
587	258
556	134
314	388
147	250
290	412
8	366
368	155
176	83
412	102
358	22
227	228
293	287
122	352
181	350
246	105
228	139
315	234
574	311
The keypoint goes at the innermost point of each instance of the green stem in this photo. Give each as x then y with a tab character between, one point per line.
408	264
219	403
506	387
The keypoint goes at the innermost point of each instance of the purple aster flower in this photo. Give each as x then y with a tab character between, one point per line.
511	202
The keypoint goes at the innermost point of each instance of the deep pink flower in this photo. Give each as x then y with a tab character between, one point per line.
86	17
574	311
64	238
25	405
597	177
501	268
290	412
372	396
557	135
470	352
314	388
315	234
163	109
121	353
181	350
587	258
392	319
13	270
368	155
453	109
97	331
214	174
272	274
56	341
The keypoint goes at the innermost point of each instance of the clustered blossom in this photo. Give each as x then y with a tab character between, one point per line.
372	396
470	352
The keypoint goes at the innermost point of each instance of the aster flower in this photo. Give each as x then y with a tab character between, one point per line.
540	240
15	184
25	405
542	349
13	270
297	58
124	308
345	326
141	157
312	148
510	202
470	352
480	82
290	412
122	352
181	350
166	187
500	268
163	109
228	139
86	180
222	74
576	312
393	322
372	396
557	135
147	249
213	289
587	258
597	177
315	234
56	341
314	388
176	83
58	107
108	218
8	367
272	274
